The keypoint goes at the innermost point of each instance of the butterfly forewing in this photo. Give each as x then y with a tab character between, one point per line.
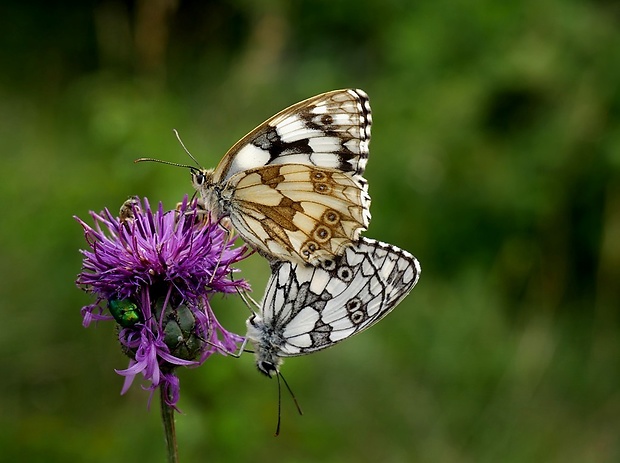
306	308
328	130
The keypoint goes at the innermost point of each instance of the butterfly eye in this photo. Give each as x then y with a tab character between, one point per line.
198	177
267	368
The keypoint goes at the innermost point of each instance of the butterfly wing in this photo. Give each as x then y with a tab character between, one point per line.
312	156
331	130
299	212
306	309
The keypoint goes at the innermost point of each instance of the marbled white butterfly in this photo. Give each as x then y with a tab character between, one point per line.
293	187
306	309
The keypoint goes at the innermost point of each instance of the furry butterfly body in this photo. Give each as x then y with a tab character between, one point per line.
293	188
306	309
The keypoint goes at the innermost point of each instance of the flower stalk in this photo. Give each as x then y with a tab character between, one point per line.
167	418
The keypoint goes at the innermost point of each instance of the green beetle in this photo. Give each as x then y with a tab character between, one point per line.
179	332
125	312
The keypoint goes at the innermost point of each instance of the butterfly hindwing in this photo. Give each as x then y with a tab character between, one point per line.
307	308
304	211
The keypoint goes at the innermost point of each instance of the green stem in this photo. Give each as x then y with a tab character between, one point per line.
167	416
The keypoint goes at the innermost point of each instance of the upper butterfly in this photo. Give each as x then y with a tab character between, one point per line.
306	309
293	187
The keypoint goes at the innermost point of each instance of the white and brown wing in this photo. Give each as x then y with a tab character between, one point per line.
299	212
294	187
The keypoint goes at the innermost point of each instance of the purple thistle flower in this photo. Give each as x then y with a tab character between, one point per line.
154	272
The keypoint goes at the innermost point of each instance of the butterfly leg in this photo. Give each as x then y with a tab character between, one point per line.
248	300
232	354
225	224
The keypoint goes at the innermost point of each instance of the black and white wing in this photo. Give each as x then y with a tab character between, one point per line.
330	130
306	308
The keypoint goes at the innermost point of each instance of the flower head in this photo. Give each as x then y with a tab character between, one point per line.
153	272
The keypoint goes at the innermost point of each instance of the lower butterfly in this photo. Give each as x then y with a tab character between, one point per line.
306	309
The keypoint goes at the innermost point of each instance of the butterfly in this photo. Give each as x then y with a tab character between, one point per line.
293	188
306	309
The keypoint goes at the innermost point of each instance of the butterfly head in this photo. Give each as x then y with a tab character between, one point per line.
214	195
265	342
267	368
202	178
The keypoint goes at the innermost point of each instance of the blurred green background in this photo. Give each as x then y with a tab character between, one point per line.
495	159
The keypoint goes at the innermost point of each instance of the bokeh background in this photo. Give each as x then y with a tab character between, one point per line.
495	159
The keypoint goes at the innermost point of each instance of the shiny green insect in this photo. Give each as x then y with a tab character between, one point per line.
125	312
179	332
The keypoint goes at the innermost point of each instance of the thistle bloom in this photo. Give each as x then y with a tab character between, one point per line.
154	272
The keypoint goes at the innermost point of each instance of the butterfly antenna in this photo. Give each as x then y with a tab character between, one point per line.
279	375
175	164
185	148
279	405
292	395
